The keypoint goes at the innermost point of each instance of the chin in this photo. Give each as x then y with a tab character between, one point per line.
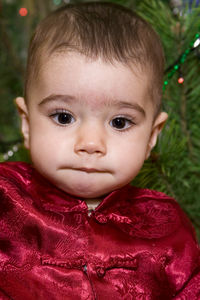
86	192
93	188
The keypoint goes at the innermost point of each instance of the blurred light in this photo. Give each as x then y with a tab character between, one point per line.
196	43
175	11
10	153
5	157
15	148
180	80
23	11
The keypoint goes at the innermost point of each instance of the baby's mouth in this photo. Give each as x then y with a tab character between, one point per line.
84	169
90	170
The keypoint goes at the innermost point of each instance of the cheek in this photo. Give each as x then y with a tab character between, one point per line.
44	147
130	156
132	148
42	135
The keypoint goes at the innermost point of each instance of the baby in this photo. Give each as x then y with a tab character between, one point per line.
72	226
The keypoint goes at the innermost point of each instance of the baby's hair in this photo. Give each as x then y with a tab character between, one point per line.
99	29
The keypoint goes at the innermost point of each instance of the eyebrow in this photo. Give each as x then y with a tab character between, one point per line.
72	99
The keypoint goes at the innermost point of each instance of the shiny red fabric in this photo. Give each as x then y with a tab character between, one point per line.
137	244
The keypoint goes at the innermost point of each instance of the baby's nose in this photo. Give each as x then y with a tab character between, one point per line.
90	139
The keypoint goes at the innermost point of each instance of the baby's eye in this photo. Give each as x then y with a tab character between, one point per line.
121	123
62	118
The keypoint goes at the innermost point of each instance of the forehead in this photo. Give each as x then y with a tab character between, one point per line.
96	82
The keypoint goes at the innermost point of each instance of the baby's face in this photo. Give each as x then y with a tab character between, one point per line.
89	125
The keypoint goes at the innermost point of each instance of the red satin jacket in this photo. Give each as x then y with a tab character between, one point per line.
137	244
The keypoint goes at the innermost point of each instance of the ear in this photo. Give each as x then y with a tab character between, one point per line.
156	129
23	112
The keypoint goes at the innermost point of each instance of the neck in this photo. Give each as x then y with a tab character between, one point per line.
92	203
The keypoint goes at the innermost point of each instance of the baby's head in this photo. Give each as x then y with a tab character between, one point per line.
91	112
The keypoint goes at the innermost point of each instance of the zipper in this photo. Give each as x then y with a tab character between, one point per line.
90	211
85	270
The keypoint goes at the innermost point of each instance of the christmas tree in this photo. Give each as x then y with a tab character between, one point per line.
173	166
